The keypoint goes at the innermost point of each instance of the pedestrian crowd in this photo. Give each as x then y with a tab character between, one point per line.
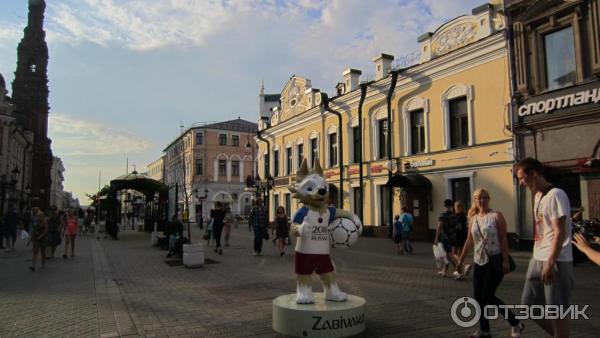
44	232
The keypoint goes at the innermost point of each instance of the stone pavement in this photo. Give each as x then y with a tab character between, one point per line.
125	288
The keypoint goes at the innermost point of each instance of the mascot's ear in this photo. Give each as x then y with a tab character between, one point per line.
302	172
317	168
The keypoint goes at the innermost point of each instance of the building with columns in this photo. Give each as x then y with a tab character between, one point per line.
209	162
412	137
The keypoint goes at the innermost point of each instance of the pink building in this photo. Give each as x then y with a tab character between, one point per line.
218	157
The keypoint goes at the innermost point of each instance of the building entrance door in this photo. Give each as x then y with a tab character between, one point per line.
418	205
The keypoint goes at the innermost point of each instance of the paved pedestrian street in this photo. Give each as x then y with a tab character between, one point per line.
125	288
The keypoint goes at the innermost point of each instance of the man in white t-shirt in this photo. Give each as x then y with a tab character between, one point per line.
549	278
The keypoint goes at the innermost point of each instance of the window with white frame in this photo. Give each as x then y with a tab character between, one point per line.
415	113
314	150
333	150
417	131
222	167
382	132
457	116
459	123
199	138
300	150
235	168
288	161
222	139
235	140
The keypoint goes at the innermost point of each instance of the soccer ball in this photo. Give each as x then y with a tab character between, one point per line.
343	233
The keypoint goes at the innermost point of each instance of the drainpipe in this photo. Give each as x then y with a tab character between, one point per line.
389	144
259	136
325	99
363	93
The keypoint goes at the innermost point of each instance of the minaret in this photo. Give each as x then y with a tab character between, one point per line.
30	96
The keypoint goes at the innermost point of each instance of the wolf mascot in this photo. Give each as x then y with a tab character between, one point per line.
311	226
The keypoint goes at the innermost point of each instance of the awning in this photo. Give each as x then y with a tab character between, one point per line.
409	181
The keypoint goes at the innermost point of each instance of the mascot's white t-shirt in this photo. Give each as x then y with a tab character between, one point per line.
318	240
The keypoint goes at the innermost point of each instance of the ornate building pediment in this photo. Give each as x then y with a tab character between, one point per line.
293	97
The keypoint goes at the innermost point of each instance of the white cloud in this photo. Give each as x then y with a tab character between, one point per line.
10	34
72	137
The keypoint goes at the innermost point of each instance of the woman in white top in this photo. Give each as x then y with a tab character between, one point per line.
487	232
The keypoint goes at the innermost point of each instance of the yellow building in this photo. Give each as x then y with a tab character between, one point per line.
449	124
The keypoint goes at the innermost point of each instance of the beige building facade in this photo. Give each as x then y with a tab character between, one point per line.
450	129
15	156
209	163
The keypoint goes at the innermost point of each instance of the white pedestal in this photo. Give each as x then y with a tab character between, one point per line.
321	319
154	238
193	255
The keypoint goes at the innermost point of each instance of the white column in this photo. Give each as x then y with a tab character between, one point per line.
241	168
216	170
228	170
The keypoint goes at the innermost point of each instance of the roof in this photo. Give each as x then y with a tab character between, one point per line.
232	125
272	97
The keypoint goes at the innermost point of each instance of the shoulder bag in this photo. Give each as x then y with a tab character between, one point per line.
496	260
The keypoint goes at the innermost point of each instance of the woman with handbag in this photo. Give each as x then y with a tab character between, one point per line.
487	232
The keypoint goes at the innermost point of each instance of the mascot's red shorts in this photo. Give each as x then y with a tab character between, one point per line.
306	264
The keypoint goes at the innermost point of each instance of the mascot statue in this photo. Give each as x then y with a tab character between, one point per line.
311	225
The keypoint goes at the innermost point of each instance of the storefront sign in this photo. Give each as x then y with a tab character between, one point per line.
377	168
328	174
575	96
418	164
352	171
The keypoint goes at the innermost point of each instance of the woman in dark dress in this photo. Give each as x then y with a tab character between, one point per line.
281	230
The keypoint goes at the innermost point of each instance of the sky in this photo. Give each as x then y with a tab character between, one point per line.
125	74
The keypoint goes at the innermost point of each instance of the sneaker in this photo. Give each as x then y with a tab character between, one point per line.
220	251
456	275
466	270
254	253
442	273
479	333
516	330
281	254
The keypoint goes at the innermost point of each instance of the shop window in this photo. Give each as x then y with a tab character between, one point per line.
417	131
559	57
288	204
461	191
356	200
459	123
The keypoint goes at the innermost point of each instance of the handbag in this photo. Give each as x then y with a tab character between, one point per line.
266	234
496	260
